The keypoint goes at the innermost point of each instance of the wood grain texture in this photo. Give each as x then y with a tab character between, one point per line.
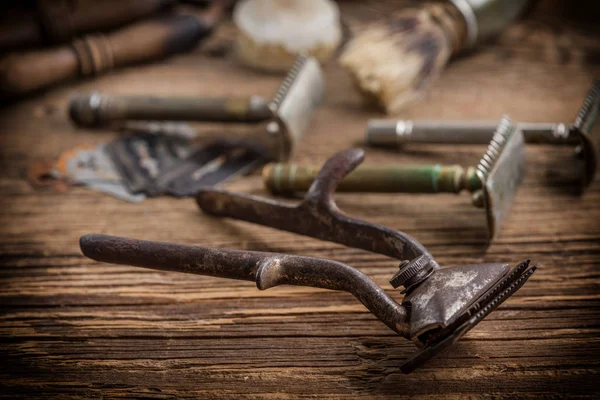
74	328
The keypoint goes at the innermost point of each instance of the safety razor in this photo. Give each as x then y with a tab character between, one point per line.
493	182
273	127
583	133
439	306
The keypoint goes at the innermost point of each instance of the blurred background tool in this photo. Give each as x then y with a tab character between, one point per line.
59	21
392	61
97	109
154	164
583	131
94	54
395	133
275	126
270	33
493	182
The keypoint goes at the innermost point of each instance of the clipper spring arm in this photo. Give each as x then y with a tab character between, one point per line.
317	215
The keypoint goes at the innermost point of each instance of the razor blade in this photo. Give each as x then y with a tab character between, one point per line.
501	171
294	105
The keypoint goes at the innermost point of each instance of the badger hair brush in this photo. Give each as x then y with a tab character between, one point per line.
392	61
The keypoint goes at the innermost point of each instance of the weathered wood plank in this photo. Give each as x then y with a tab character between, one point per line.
73	328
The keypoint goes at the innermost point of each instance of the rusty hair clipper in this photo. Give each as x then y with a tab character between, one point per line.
493	182
584	132
439	307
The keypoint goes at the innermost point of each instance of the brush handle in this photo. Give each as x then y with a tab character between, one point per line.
94	54
485	19
96	109
60	21
289	178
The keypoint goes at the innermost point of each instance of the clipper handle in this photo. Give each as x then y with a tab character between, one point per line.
266	269
286	178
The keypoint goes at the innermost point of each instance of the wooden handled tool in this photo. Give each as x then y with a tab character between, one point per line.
60	21
94	54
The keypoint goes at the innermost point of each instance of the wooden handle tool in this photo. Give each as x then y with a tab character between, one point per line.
52	22
95	54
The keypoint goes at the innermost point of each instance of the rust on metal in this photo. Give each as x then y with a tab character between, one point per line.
440	305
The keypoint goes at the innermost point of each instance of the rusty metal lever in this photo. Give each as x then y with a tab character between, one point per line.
317	215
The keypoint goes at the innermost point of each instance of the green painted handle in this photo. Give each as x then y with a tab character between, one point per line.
286	178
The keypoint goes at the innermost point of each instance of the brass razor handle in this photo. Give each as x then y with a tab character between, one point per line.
95	54
97	109
289	178
61	21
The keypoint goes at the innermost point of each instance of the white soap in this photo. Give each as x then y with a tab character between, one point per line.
272	32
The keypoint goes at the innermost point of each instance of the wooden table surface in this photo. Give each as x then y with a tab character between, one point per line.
77	328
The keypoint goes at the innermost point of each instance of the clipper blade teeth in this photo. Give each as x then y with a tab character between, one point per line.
590	108
288	82
501	135
505	294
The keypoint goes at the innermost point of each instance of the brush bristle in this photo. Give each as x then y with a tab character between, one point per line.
392	62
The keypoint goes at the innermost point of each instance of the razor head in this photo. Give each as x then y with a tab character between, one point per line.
501	171
296	101
588	130
453	300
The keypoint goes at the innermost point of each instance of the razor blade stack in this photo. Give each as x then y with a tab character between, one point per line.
501	171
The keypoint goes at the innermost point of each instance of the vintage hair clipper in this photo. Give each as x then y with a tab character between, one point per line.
275	126
583	132
493	182
439	307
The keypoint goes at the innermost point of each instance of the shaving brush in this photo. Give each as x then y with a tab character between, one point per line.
391	62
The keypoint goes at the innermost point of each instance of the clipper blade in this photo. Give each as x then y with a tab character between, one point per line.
495	296
501	170
589	132
296	101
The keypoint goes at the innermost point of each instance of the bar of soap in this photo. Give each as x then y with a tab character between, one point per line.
272	32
